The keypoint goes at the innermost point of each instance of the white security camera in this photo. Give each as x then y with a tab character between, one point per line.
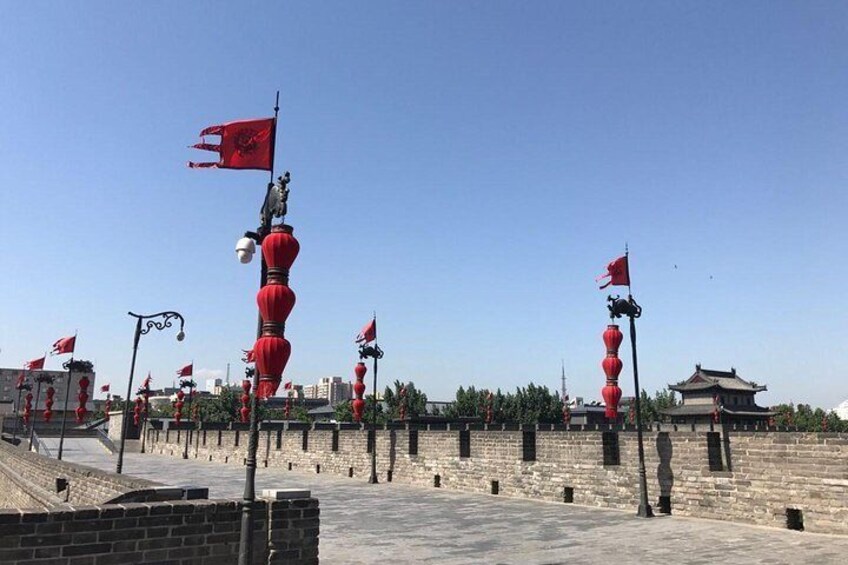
245	248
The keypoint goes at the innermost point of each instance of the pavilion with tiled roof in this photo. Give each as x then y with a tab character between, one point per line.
708	391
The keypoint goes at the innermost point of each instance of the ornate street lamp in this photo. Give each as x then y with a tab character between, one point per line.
190	385
150	322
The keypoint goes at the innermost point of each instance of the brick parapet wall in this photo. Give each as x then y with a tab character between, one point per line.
183	532
87	485
760	474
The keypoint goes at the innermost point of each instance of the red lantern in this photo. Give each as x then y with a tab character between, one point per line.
272	355
489	402
612	367
566	412
275	302
83	399
611	394
358	404
107	408
48	404
245	401
28	408
613	338
288	406
716	410
280	248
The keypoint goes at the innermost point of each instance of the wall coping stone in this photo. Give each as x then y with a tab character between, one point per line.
285	493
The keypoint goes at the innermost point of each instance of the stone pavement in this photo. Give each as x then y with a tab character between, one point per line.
393	523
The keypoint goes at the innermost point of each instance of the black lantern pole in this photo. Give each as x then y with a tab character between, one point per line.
190	384
275	206
151	322
72	366
21	388
620	307
144	392
375	353
40	378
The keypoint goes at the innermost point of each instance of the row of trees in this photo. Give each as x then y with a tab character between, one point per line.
532	404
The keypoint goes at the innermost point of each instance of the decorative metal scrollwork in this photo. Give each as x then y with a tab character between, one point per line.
619	307
372	351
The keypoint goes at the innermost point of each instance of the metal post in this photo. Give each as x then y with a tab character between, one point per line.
249	497
17	416
65	411
188	432
373	478
644	508
34	412
125	421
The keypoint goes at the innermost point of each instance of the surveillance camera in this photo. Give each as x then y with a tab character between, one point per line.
245	248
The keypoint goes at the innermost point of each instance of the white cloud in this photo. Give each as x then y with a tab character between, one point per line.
203	374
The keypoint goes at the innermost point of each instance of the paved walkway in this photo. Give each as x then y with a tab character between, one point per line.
397	524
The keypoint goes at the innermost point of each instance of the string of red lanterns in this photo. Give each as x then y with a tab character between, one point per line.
276	301
402	394
489	406
27	408
107	408
81	410
245	401
358	403
178	406
137	411
612	366
48	404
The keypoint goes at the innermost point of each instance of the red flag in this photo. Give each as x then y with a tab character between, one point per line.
618	273
105	388
368	333
249	356
20	382
247	144
64	345
186	371
34	365
146	383
287	386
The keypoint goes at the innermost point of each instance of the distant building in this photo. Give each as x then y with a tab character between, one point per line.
214	386
707	388
8	378
333	389
842	410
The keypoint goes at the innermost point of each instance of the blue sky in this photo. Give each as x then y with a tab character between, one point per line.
464	168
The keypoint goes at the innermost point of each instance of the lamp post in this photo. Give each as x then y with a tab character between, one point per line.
22	386
40	378
72	367
144	392
375	353
619	307
150	322
190	384
271	350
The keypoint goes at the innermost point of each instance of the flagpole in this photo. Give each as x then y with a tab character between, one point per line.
34	413
249	496
644	510
65	410
373	478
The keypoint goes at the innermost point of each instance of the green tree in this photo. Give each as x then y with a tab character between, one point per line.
416	400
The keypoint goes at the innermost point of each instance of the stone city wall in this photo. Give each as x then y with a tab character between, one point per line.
746	476
29	481
39	527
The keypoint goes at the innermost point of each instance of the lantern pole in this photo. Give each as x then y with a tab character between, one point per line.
188	432
375	353
618	307
34	411
18	411
166	322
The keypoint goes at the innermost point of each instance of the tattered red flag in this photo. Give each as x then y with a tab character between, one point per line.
368	333
186	371
34	365
20	382
249	356
287	386
247	144
105	388
618	273
64	345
